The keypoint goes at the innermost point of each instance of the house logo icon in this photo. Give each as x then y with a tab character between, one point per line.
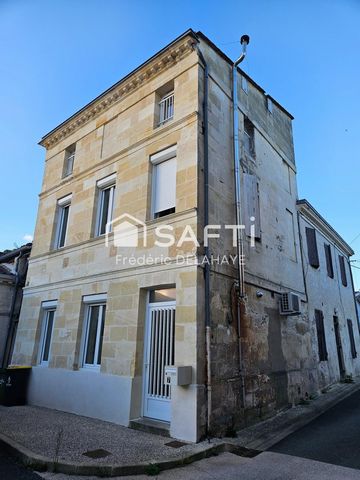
124	231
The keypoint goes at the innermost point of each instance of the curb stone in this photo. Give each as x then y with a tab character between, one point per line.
41	463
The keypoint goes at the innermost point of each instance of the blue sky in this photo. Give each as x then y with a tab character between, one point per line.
58	55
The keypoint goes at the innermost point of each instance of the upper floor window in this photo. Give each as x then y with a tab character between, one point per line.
164	104
329	264
342	270
63	210
69	161
166	108
252	206
312	247
47	326
269	105
94	322
164	182
249	138
244	84
106	190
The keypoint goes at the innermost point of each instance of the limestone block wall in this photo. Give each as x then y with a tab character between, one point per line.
120	141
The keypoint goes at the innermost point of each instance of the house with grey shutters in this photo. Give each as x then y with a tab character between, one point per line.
330	297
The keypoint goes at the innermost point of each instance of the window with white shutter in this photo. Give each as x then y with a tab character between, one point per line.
164	182
251	205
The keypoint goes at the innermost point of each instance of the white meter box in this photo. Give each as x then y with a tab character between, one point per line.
177	375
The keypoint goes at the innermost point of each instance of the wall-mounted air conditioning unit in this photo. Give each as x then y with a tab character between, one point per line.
289	304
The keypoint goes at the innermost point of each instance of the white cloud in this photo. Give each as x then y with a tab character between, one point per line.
27	237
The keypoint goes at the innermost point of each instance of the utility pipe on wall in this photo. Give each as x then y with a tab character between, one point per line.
239	243
206	247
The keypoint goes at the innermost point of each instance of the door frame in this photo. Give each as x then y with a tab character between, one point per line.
146	343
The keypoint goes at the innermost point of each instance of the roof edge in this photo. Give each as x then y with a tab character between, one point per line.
201	35
306	207
189	32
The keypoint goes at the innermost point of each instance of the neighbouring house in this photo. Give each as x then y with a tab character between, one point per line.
330	296
13	269
108	306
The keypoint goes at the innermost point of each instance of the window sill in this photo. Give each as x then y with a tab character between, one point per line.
91	368
165	122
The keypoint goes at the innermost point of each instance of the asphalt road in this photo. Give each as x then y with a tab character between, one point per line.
11	470
334	437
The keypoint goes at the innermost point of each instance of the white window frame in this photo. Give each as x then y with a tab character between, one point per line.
62	204
46	308
108	183
167	102
155	160
89	302
69	159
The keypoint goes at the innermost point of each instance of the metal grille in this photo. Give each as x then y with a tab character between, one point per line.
162	322
166	108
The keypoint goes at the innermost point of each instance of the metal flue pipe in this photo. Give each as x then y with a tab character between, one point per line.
239	232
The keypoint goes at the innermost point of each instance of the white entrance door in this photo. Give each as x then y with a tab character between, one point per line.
159	351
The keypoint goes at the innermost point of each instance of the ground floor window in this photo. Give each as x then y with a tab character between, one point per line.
94	332
320	330
48	309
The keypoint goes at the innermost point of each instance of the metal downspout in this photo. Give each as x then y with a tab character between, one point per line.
239	233
206	247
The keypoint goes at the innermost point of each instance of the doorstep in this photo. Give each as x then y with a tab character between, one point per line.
150	425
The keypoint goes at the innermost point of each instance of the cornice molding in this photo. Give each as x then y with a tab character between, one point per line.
122	89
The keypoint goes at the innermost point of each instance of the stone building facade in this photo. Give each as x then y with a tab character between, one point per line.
157	149
330	297
13	270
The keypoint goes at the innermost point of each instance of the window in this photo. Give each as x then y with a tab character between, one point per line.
312	247
95	306
289	241
269	105
162	295
352	340
252	205
63	210
249	142
164	182
244	84
319	319
69	161
329	264
106	189
343	270
47	326
166	108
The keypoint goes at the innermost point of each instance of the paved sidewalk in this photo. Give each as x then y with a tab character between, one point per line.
50	440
